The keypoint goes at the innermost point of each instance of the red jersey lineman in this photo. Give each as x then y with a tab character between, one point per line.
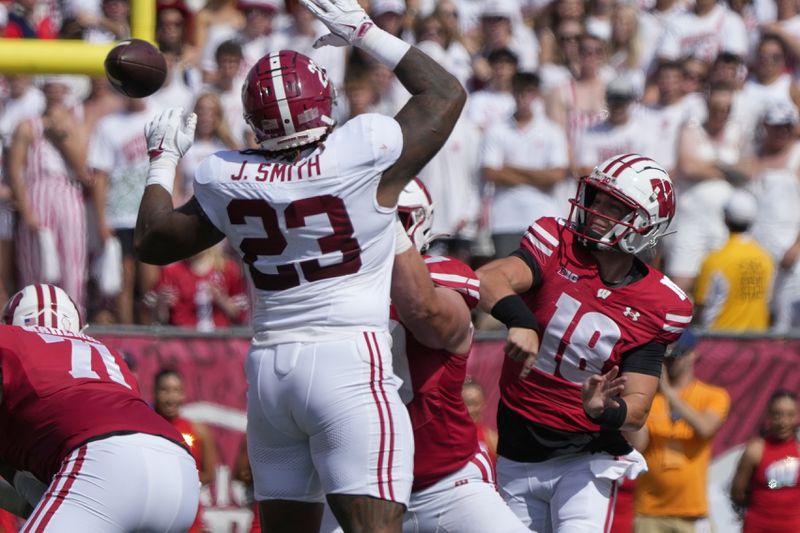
588	323
72	415
454	481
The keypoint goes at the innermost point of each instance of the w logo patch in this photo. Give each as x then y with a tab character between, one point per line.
665	196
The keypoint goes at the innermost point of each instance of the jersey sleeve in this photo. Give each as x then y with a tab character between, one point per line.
453	274
205	189
382	134
676	312
542	239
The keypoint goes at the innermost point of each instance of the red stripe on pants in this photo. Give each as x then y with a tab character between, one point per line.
62	494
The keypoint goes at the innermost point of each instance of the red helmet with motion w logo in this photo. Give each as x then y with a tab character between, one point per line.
287	100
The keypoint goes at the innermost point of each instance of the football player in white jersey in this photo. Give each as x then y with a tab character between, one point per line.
312	214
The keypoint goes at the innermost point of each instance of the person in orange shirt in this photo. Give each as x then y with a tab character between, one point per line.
169	397
676	442
766	484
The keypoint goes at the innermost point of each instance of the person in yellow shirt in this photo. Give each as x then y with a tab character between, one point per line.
676	442
734	286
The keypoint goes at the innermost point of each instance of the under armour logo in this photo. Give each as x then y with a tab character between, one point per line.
631	313
603	294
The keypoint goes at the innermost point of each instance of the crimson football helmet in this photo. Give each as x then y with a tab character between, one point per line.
42	305
638	182
415	209
287	100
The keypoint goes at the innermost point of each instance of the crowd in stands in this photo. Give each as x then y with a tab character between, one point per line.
706	88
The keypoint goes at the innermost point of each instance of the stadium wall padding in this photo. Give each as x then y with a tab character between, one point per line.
213	367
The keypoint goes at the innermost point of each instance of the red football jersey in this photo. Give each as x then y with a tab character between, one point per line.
61	390
445	438
585	326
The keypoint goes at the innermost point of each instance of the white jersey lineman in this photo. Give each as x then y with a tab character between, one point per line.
320	251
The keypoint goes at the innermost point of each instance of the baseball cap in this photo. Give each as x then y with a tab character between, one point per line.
741	208
500	8
381	7
780	114
621	88
685	344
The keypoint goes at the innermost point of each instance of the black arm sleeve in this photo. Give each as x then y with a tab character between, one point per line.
527	256
645	359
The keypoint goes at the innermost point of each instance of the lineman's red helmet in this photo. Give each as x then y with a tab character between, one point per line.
287	100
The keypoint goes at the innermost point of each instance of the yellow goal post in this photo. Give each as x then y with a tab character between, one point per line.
72	56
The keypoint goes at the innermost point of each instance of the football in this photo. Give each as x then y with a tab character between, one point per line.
136	68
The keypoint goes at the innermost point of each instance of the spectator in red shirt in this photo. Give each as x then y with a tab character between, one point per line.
169	398
475	400
27	19
205	292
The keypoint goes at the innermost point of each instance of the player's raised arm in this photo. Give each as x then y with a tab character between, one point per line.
436	96
430	296
437	316
163	234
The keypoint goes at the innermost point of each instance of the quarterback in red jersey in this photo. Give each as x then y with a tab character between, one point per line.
454	481
71	414
588	325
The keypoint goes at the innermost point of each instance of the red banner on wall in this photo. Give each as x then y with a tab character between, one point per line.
213	368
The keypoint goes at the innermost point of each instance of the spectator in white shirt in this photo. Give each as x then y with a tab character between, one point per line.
494	102
703	32
524	157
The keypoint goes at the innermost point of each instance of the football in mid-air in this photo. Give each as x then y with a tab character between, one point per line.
136	68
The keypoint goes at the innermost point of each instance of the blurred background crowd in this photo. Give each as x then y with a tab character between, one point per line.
708	89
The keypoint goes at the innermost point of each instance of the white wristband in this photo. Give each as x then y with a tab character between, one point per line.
384	46
162	172
401	242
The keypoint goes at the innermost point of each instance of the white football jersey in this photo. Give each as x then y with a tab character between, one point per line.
318	245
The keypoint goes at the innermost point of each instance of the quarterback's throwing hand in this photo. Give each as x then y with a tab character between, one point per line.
169	137
346	19
522	344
